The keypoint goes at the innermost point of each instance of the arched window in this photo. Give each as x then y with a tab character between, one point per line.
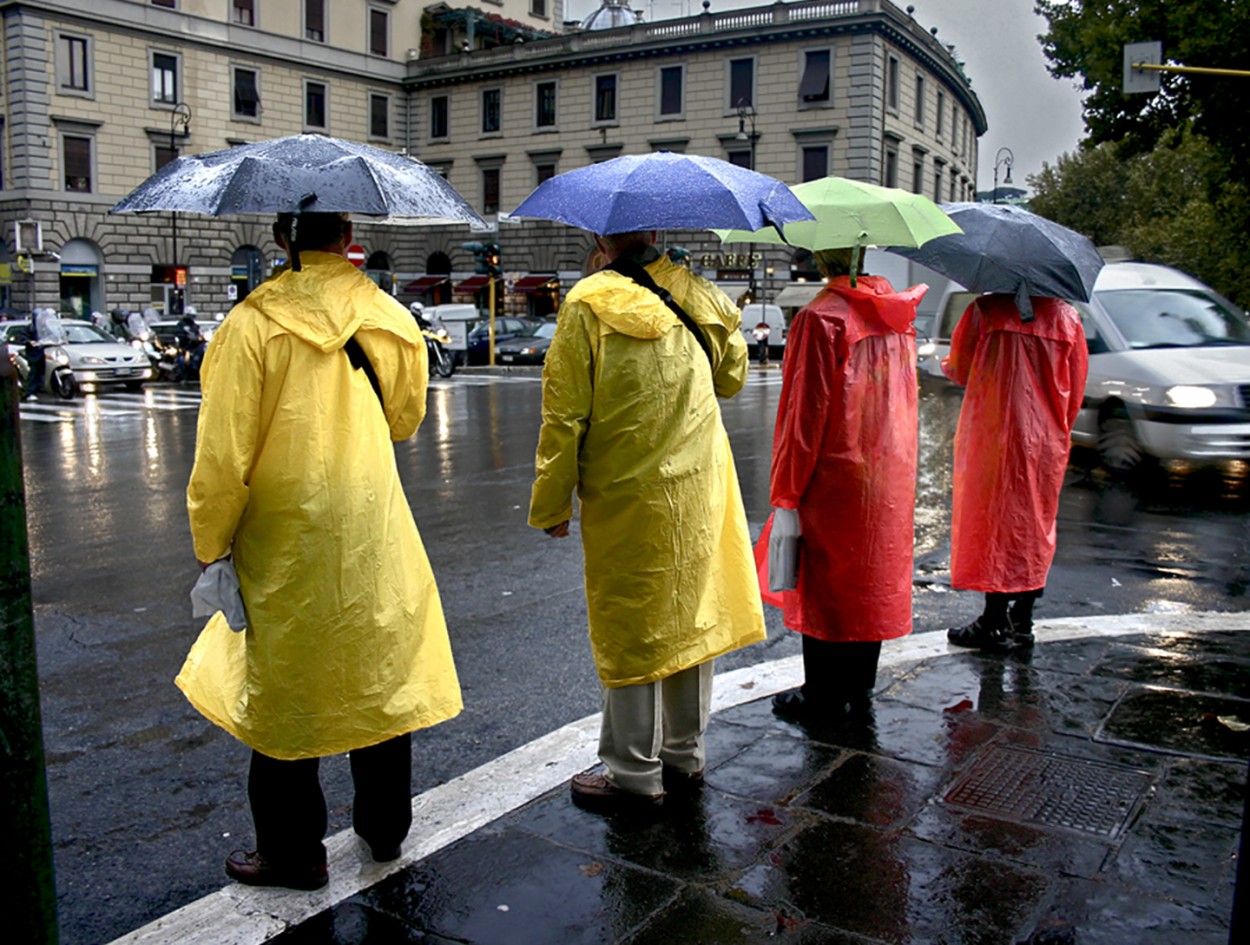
378	267
81	291
246	270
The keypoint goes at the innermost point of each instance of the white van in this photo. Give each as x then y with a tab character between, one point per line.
456	319
772	316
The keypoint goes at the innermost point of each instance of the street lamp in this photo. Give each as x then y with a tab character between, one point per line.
1003	158
179	117
746	113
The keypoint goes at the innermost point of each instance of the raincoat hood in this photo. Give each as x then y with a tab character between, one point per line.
323	304
624	305
873	298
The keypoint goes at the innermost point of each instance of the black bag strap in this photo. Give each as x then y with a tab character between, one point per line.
633	270
356	355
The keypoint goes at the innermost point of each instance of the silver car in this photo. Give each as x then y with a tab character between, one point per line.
96	359
1169	367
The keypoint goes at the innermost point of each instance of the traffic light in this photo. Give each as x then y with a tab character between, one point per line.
485	257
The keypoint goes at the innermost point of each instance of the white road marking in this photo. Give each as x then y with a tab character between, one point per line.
245	915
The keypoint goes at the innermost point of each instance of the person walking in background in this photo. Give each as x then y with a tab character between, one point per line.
844	485
631	424
1025	381
761	333
305	385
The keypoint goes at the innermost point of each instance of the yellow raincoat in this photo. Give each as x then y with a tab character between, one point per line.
630	421
295	476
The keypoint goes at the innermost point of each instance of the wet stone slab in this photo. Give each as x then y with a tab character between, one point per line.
871	790
1203	792
504	887
700	917
1187	862
1184	722
885	886
1101	913
353	923
708	837
774	768
1178	668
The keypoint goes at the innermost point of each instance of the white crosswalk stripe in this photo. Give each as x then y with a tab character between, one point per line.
109	405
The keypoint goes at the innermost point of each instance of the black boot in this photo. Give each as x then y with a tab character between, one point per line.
990	631
1021	619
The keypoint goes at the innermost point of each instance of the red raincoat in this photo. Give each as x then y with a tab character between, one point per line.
844	455
1025	382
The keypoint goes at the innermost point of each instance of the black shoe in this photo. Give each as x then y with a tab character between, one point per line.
980	635
385	854
1022	635
682	783
795	706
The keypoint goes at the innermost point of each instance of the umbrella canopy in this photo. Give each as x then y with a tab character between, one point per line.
305	173
850	213
1006	249
662	191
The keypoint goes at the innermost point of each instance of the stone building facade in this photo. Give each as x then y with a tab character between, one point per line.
497	97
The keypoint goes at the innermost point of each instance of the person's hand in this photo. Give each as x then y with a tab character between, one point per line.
558	531
783	551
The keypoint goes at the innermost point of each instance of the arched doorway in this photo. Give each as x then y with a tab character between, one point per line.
378	267
246	271
81	292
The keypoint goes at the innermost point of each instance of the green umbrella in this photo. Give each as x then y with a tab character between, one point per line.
850	213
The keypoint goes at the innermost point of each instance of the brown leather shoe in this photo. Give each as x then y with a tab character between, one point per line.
594	792
252	869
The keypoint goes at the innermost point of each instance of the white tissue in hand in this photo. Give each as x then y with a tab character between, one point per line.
783	551
218	589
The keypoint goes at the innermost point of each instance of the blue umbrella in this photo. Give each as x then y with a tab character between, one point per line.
663	191
1006	249
300	173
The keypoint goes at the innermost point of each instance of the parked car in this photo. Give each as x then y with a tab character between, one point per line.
506	328
529	347
96	358
1169	367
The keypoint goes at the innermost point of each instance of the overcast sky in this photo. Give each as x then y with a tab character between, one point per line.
1034	115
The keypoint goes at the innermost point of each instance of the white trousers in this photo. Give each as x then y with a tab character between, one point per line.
656	725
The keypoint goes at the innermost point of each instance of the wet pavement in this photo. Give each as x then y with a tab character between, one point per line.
1089	793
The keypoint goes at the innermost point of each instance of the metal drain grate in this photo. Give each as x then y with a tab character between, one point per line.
1033	788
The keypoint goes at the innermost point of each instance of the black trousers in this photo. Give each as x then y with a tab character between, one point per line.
841	671
289	808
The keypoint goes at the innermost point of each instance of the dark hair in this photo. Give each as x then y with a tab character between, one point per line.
314	230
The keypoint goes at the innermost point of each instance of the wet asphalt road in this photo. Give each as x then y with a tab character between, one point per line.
147	797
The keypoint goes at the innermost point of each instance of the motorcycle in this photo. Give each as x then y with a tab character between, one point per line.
442	361
58	377
182	360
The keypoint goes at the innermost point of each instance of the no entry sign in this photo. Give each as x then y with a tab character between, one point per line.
356	255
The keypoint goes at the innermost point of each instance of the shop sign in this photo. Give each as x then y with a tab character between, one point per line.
746	261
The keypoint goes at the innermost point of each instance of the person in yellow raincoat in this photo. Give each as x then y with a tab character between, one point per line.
345	648
631	423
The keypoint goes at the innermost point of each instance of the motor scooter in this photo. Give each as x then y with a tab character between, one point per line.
442	362
58	377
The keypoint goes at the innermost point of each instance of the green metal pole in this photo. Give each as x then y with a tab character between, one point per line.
26	871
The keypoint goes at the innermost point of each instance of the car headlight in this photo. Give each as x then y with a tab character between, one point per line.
529	351
1190	398
926	349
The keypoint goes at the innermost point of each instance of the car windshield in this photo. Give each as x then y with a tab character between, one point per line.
1175	318
545	330
85	334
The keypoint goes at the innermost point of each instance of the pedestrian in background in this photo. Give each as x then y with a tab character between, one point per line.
631	424
844	484
305	385
1025	381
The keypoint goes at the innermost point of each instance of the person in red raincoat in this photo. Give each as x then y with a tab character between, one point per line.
844	460
1024	381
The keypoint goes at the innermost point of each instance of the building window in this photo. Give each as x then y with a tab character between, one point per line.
167	4
162	154
438	117
490	190
246	94
740	157
73	64
815	84
379	27
917	173
891	84
315	97
491	99
76	157
538	8
889	175
937	184
545	105
243	12
543	172
741	84
315	20
671	102
941	114
379	115
815	162
919	101
164	78
605	98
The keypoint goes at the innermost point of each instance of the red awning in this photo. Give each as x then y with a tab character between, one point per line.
423	284
527	284
473	284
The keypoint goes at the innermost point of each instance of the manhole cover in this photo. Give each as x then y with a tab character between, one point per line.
1034	788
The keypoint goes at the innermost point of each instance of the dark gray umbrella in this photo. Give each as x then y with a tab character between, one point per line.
301	173
1006	249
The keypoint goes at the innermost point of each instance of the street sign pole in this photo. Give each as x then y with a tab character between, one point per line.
26	873
491	302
